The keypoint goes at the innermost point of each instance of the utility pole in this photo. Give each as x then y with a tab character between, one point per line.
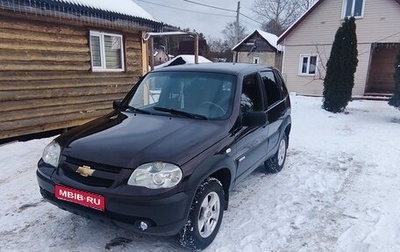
235	55
237	23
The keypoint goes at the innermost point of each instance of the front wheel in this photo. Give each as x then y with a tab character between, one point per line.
205	216
275	163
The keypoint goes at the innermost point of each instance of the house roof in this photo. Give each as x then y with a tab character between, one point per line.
301	19
269	37
111	13
123	7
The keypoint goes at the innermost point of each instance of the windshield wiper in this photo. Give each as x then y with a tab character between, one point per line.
137	110
181	113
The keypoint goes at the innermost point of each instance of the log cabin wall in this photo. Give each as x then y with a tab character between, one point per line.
46	81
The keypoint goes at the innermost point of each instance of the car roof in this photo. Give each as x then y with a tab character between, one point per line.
222	67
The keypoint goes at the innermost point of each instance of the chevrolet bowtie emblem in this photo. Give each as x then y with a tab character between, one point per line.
85	171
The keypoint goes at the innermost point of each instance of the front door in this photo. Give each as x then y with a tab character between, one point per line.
381	70
252	142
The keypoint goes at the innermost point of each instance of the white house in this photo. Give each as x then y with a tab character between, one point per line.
308	42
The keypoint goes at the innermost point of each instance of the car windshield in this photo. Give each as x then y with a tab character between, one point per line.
197	95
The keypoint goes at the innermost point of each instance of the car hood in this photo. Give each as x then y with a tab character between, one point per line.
129	140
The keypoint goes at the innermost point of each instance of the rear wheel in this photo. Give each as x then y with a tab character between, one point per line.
205	215
275	163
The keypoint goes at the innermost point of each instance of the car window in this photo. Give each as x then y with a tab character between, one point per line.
272	87
207	94
251	94
279	78
148	93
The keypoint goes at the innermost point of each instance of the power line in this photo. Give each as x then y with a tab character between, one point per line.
251	19
176	8
248	23
210	6
219	8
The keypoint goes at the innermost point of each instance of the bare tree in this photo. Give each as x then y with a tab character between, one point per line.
217	45
273	27
321	64
219	50
278	15
230	33
304	5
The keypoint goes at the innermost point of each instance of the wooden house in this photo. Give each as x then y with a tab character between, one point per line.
259	47
187	47
308	42
63	62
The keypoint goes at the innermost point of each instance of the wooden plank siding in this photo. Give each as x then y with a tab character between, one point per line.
380	22
314	36
46	81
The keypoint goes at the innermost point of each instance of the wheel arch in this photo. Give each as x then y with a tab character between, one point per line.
286	128
225	177
221	167
287	132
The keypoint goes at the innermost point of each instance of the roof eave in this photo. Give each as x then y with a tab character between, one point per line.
251	34
304	16
299	20
248	36
100	11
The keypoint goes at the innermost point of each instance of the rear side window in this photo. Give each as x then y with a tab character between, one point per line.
272	87
279	77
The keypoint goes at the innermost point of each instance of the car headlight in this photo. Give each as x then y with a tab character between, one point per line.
156	175
51	154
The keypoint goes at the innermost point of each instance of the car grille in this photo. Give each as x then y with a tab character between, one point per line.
104	176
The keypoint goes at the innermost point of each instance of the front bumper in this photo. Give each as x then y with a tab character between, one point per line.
150	215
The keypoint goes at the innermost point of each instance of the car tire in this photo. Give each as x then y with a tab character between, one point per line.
275	163
205	216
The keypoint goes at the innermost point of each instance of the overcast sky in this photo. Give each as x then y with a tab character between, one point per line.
209	21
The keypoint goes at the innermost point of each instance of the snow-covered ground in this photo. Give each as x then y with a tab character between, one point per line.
339	191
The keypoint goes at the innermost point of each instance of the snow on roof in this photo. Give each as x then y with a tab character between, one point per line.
269	37
124	7
190	59
187	58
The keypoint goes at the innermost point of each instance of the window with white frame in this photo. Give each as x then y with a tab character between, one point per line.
353	8
308	64
107	52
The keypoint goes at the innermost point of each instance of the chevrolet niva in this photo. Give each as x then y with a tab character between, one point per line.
165	160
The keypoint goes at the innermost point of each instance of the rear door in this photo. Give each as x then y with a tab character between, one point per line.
275	105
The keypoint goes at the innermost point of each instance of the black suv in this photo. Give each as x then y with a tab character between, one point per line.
165	160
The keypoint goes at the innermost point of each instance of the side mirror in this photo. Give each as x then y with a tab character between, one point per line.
254	119
117	104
